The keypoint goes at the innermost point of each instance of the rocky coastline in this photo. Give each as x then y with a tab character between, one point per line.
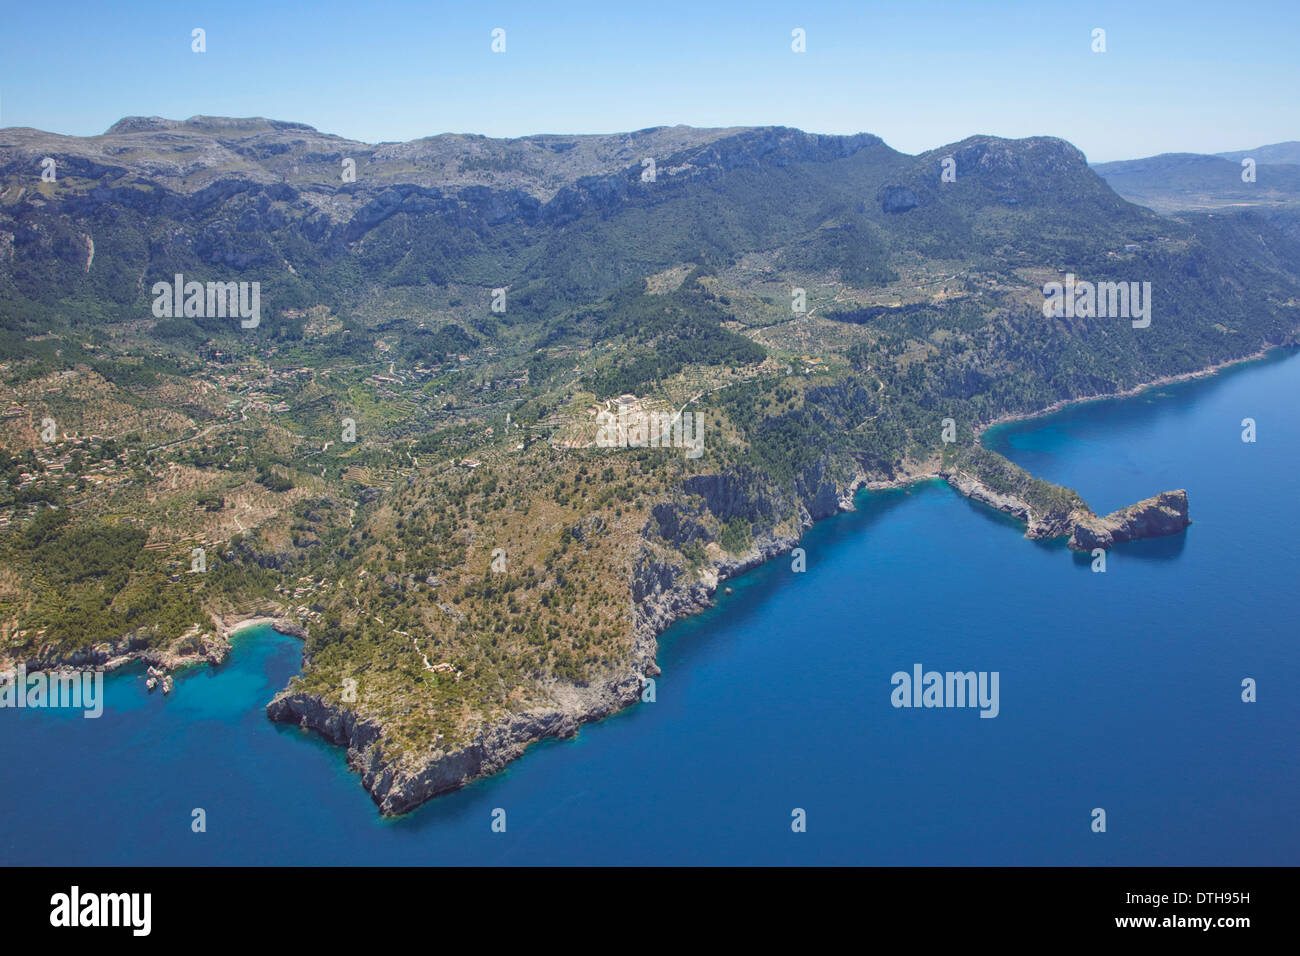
195	647
1064	403
1154	517
665	591
1157	516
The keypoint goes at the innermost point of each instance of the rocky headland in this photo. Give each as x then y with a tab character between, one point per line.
664	588
1154	517
1157	516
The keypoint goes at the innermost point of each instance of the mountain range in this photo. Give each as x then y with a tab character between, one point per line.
400	461
1177	182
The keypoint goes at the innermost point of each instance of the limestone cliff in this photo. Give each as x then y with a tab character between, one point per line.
1162	514
1154	517
664	587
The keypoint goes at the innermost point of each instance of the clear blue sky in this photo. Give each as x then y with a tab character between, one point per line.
1193	76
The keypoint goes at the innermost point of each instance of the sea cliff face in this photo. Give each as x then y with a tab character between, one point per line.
664	588
1039	523
1157	516
398	786
1160	515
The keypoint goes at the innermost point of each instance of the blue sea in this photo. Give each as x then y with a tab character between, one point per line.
1119	690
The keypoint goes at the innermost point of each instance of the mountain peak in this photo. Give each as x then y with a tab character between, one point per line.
251	124
140	124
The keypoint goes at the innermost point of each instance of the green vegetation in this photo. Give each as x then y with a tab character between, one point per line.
662	335
736	536
472	430
1004	477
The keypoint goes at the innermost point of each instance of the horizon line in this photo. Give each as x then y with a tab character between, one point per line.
623	132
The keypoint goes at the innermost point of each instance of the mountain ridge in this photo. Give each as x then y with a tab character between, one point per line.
1171	183
402	457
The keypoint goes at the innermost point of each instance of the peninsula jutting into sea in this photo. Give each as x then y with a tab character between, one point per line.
462	436
377	407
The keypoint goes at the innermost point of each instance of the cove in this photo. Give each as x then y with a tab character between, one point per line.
1119	690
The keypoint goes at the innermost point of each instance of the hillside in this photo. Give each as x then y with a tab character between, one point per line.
1182	182
404	452
1275	154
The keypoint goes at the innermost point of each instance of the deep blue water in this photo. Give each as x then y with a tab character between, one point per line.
1118	690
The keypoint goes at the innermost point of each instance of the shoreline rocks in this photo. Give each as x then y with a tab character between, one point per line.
398	787
195	647
663	591
1154	517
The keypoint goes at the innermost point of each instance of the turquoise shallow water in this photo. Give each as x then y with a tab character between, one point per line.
1118	690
